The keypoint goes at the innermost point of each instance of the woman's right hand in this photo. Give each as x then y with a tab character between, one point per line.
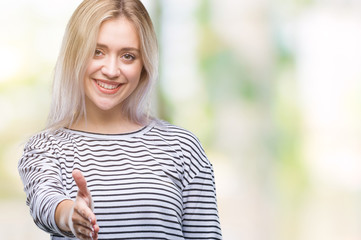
77	216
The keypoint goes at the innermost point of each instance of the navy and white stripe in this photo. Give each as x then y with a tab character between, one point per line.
155	183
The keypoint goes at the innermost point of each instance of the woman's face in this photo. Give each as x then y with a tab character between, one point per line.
114	71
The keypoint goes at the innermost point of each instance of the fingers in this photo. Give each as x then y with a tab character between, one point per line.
83	226
83	219
84	209
83	190
80	182
84	233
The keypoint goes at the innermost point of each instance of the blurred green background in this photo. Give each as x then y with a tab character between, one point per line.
271	88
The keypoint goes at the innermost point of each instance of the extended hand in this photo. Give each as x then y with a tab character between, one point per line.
82	220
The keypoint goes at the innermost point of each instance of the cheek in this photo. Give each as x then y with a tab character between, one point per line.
92	67
133	72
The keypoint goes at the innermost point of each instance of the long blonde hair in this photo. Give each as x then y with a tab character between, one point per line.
79	42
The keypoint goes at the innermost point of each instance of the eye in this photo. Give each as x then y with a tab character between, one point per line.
98	53
128	57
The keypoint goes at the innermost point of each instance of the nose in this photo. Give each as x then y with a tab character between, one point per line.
111	68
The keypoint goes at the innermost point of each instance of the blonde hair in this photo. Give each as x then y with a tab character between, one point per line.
79	42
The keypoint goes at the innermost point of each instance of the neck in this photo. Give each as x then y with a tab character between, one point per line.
106	122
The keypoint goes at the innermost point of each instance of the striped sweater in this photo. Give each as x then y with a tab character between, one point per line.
155	183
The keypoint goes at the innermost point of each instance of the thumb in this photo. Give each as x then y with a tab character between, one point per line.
83	191
81	183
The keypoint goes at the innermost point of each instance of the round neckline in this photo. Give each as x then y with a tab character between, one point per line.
135	133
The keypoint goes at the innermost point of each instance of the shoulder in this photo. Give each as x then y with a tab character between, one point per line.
176	132
173	130
193	158
45	139
188	142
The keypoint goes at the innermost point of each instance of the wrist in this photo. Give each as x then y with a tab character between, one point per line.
62	215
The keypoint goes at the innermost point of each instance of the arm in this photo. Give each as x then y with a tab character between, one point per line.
50	206
200	214
40	173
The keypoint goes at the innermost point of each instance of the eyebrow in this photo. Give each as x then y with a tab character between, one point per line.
126	49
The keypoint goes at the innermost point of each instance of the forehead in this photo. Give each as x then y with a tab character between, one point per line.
118	31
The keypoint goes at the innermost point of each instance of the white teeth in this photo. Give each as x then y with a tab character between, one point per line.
107	86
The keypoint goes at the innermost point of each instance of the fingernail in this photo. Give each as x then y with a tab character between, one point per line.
91	235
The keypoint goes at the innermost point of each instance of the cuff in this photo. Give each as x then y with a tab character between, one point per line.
53	223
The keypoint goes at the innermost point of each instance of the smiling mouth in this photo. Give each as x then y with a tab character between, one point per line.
107	85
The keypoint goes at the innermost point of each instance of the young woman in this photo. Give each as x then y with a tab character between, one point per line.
103	168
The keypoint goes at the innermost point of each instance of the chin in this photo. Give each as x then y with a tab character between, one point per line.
107	106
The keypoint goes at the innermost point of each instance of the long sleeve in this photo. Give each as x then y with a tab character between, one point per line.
200	214
41	175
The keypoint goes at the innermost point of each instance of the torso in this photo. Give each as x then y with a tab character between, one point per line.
134	180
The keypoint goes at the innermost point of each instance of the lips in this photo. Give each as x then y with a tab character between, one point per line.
107	87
